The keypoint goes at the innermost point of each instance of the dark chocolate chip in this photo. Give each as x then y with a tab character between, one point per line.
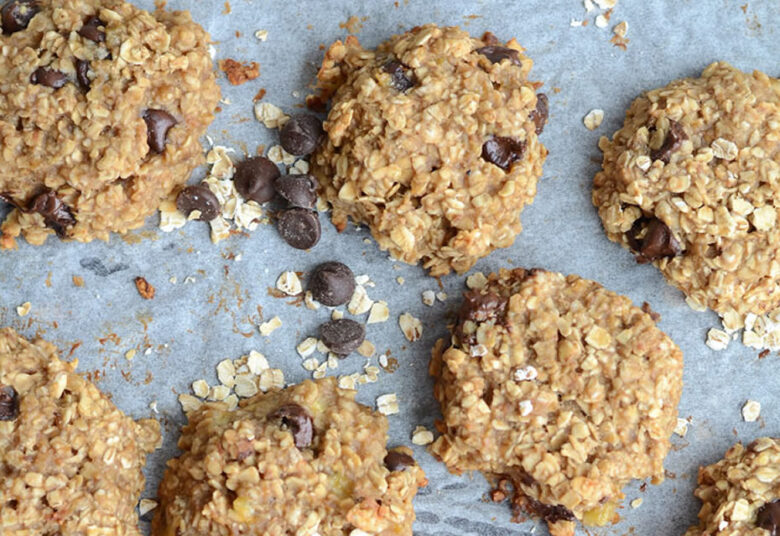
91	30
301	134
656	243
48	77
672	142
299	227
82	70
201	198
55	212
502	151
479	307
768	518
400	76
158	123
9	403
332	283
17	14
540	114
550	513
298	421
496	54
297	190
342	336
398	461
254	179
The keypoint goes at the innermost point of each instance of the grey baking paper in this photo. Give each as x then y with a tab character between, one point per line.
191	326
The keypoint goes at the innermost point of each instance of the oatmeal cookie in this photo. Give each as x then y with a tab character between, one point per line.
741	492
559	388
432	141
70	460
305	460
690	183
101	108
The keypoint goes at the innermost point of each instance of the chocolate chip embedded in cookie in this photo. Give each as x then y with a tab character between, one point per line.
559	389
689	184
432	141
740	492
304	460
72	462
115	101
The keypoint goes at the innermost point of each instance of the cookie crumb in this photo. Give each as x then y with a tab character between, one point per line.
681	428
411	327
636	503
266	328
428	297
78	281
620	29
751	410
24	309
593	119
145	289
239	73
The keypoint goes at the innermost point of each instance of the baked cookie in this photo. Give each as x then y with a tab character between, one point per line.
101	108
690	184
559	387
70	460
741	492
432	141
305	460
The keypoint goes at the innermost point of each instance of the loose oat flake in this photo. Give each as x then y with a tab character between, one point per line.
751	410
593	119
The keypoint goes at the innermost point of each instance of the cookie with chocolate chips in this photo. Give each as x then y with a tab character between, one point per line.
304	460
102	106
741	492
558	390
690	182
432	141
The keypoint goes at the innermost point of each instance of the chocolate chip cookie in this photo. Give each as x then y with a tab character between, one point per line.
70	460
305	460
558	388
741	492
690	184
101	108
432	141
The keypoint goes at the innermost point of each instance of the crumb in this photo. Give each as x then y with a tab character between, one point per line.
593	120
238	73
227	9
78	281
24	309
751	410
411	327
259	95
145	289
261	35
353	24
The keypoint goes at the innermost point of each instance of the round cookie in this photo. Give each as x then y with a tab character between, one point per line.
101	108
741	492
432	141
690	184
71	461
559	387
305	460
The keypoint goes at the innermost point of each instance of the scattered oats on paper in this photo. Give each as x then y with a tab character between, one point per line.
593	119
411	327
751	410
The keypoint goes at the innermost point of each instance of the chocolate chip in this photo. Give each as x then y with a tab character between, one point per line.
332	283
82	69
502	151
496	54
254	179
768	518
17	14
301	134
342	336
657	242
55	212
398	461
550	513
48	77
9	403
91	30
299	227
400	76
298	421
158	123
297	190
672	142
540	114
479	307
201	198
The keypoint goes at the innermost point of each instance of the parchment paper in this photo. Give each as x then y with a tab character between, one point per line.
192	326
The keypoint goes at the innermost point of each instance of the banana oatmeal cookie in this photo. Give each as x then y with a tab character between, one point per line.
101	108
690	183
432	141
741	492
306	460
559	388
70	460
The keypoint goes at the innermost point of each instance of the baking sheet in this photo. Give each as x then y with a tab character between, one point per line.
192	326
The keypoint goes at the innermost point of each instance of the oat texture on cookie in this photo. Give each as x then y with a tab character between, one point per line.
70	460
741	492
690	183
432	142
558	388
304	460
101	108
